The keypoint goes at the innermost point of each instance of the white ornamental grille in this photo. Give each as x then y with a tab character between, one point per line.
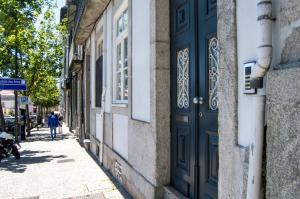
213	73
183	78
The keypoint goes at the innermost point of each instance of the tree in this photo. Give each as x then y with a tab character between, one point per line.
34	54
45	56
15	17
47	93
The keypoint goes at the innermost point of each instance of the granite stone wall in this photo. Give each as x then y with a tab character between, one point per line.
283	134
283	108
291	49
289	12
232	159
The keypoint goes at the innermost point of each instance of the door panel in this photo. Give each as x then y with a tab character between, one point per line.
183	89
207	88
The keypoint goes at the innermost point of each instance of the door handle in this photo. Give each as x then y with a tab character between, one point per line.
198	100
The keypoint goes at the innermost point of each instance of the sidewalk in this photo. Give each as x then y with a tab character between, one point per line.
55	169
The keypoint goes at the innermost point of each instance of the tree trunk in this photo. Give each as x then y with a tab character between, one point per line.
39	116
2	115
27	120
16	98
42	113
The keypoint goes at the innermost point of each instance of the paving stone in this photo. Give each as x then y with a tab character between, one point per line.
55	170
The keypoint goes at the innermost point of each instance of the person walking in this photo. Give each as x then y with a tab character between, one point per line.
60	120
52	124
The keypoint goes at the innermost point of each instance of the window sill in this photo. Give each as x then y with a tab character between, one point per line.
120	105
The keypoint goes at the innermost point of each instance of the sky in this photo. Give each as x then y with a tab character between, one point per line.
60	3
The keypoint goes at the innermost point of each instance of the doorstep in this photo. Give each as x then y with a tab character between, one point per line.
171	193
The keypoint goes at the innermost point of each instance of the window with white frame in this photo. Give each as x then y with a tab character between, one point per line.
121	57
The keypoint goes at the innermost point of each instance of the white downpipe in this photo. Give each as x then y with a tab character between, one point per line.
256	150
264	19
264	8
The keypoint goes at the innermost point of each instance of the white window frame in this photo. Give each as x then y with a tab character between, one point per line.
119	39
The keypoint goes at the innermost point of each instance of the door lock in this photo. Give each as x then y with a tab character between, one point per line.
198	100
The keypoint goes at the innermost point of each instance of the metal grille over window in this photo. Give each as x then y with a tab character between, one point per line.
213	73
183	78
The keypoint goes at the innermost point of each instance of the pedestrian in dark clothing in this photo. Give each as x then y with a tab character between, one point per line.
52	124
60	119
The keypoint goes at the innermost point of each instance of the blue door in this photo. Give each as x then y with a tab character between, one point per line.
194	79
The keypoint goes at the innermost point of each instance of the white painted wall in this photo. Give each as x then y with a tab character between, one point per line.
108	66
141	60
247	43
99	127
120	135
92	65
10	104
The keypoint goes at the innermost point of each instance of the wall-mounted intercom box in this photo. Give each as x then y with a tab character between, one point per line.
247	72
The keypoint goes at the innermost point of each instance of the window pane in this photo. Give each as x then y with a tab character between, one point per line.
125	52
119	86
122	23
125	19
125	94
119	25
119	56
125	78
98	83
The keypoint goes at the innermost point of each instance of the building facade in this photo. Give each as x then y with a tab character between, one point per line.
185	98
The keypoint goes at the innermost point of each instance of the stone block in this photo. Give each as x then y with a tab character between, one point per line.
283	134
143	159
160	55
159	21
291	50
108	135
162	127
135	183
92	122
289	12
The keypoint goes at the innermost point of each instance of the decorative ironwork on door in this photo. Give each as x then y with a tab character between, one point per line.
183	78
213	58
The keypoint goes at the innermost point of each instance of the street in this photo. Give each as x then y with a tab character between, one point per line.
55	169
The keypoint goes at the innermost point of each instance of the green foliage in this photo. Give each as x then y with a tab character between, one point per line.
37	50
17	17
46	96
45	58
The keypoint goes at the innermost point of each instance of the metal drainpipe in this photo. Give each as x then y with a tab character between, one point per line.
264	8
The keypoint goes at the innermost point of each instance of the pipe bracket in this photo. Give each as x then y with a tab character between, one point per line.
265	17
264	2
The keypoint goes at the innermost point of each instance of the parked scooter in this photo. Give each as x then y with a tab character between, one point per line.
8	146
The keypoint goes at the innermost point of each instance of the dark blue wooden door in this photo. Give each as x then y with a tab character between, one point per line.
208	159
194	76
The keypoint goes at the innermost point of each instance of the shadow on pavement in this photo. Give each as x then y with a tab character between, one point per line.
44	135
27	157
